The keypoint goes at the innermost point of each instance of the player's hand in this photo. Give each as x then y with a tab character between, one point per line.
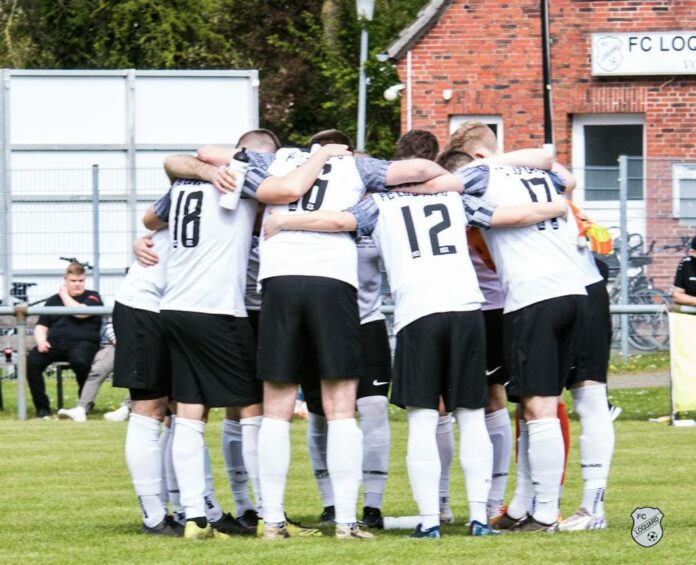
143	252
335	150
272	225
224	179
43	347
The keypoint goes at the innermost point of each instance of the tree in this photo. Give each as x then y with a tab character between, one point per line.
307	51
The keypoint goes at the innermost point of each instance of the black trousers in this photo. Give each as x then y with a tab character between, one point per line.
79	355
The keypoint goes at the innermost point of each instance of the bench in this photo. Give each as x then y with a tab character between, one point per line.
59	367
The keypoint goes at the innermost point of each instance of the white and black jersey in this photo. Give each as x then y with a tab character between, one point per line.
370	281
143	287
586	262
341	184
535	262
252	297
209	251
422	240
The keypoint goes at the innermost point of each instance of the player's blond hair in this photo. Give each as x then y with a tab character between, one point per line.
471	136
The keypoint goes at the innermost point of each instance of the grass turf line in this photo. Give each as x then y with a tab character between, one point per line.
67	498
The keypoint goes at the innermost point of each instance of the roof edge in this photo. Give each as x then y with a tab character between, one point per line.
427	17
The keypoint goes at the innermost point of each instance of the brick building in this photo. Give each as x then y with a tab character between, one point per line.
623	82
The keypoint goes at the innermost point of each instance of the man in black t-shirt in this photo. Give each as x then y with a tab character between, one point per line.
74	339
684	291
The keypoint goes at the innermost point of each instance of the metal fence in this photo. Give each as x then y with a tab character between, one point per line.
649	205
89	213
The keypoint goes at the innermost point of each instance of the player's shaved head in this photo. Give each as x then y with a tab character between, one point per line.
331	136
472	137
453	159
260	140
416	143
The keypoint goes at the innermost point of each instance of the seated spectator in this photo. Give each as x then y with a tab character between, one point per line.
102	367
74	339
684	291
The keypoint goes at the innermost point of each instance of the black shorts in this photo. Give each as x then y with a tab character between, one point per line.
541	342
141	360
441	354
212	359
377	360
496	372
595	341
254	323
308	314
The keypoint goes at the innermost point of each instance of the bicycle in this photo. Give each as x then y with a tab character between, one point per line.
650	330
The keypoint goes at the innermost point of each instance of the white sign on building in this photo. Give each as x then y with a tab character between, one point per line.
644	53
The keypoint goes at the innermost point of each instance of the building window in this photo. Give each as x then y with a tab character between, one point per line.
684	192
493	122
599	140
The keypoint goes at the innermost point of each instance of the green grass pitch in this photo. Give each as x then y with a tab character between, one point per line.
66	497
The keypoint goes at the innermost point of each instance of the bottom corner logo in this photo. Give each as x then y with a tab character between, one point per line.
647	526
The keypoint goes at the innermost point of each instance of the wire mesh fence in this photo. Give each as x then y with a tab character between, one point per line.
649	206
88	213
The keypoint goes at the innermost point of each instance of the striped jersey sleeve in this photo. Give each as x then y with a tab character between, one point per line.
474	179
478	211
373	173
161	207
558	182
257	172
366	213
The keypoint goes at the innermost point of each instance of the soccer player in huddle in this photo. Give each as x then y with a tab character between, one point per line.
213	365
440	335
545	308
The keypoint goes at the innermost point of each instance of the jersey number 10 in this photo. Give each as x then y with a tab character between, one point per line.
434	232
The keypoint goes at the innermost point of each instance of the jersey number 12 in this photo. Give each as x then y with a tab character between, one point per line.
434	232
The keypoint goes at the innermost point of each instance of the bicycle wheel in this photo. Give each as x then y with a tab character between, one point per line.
650	331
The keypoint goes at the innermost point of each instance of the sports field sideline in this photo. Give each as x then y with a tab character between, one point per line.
67	498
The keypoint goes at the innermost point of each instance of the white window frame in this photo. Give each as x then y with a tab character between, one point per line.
681	171
579	122
456	119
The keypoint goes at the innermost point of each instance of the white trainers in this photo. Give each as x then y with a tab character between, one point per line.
582	520
118	415
76	414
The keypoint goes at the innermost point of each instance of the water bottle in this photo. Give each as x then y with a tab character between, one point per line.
239	164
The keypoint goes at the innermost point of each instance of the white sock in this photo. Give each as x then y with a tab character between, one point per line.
316	442
213	510
165	439
476	459
445	449
374	423
234	465
250	452
274	463
423	463
596	444
144	459
171	484
500	434
188	454
522	502
344	453
546	454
